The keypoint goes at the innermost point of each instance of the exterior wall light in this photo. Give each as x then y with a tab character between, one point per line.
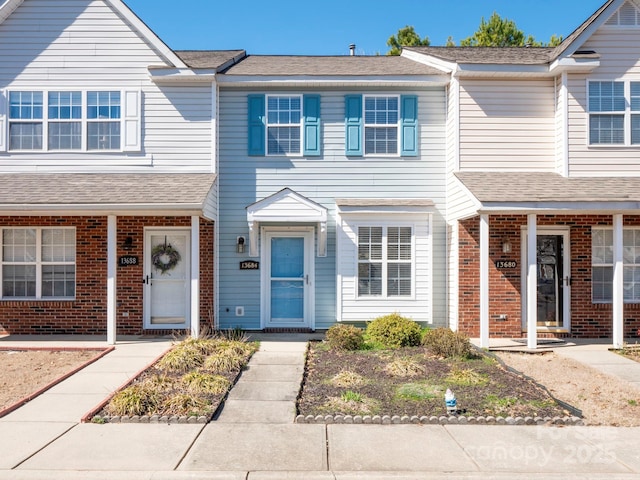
240	244
128	243
506	246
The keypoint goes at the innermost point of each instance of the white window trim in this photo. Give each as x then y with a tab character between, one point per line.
39	263
300	125
385	261
626	114
126	120
385	125
611	265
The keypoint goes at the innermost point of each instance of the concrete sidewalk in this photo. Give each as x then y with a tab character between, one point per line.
254	437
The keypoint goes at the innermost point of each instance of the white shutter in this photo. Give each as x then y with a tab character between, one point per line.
3	121
132	121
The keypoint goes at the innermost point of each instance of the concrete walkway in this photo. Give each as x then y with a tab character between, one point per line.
254	437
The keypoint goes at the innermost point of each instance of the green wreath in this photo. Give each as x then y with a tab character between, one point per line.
164	258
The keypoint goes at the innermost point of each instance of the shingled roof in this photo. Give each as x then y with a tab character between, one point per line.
346	65
532	187
171	190
209	59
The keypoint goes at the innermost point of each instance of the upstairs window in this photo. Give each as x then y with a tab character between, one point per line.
38	263
614	113
284	125
381	125
73	121
385	261
25	120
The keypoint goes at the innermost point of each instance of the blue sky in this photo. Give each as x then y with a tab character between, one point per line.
327	27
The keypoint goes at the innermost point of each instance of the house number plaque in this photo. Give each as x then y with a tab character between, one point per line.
249	265
506	264
128	260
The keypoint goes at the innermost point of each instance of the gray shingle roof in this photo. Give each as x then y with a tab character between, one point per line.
212	59
490	55
505	187
381	65
172	190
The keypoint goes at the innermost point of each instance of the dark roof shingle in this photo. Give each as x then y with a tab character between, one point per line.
346	65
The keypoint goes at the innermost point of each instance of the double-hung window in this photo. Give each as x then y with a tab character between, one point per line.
381	125
284	124
602	265
385	261
73	121
38	263
614	113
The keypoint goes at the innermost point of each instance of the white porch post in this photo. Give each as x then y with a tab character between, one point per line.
112	234
484	281
532	282
618	282
195	276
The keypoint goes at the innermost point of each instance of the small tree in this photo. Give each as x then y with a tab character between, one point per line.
498	32
406	37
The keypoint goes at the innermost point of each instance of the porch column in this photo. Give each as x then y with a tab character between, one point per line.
195	276
484	281
112	234
618	282
532	282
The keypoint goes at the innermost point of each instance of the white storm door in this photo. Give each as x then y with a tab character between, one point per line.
167	260
287	293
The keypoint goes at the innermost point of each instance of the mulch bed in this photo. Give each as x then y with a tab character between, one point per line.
495	391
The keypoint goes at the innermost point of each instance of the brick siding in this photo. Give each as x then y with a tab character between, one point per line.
588	320
87	313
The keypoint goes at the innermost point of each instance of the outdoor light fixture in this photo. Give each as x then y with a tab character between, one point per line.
240	245
128	243
506	246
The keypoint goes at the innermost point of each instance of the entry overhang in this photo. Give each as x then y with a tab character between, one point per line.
286	206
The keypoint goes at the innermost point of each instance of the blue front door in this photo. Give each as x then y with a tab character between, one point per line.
287	295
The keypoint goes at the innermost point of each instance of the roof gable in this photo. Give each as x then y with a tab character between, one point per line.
128	15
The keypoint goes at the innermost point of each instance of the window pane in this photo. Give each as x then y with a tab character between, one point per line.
381	140
284	115
103	136
58	245
606	129
25	105
635	129
381	110
370	243
58	280
635	96
25	136
369	279
399	279
65	105
19	245
606	97
18	281
65	136
602	284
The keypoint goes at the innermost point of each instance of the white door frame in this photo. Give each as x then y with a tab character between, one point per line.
186	258
308	233
565	232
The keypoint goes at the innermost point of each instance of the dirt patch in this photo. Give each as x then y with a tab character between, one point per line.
412	382
25	372
604	400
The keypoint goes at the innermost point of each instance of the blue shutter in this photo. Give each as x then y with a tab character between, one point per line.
353	125
256	127
311	125
409	125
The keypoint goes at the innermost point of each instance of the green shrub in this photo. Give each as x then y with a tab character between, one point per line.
344	337
447	343
394	331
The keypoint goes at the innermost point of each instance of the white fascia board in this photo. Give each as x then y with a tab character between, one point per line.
574	65
8	8
560	208
147	33
355	80
473	69
187	209
167	75
385	210
430	61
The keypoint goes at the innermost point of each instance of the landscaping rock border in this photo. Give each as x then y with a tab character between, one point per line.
433	420
151	419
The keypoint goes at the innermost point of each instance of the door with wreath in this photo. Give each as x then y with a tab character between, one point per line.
167	279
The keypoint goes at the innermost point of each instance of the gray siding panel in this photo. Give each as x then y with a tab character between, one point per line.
244	180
